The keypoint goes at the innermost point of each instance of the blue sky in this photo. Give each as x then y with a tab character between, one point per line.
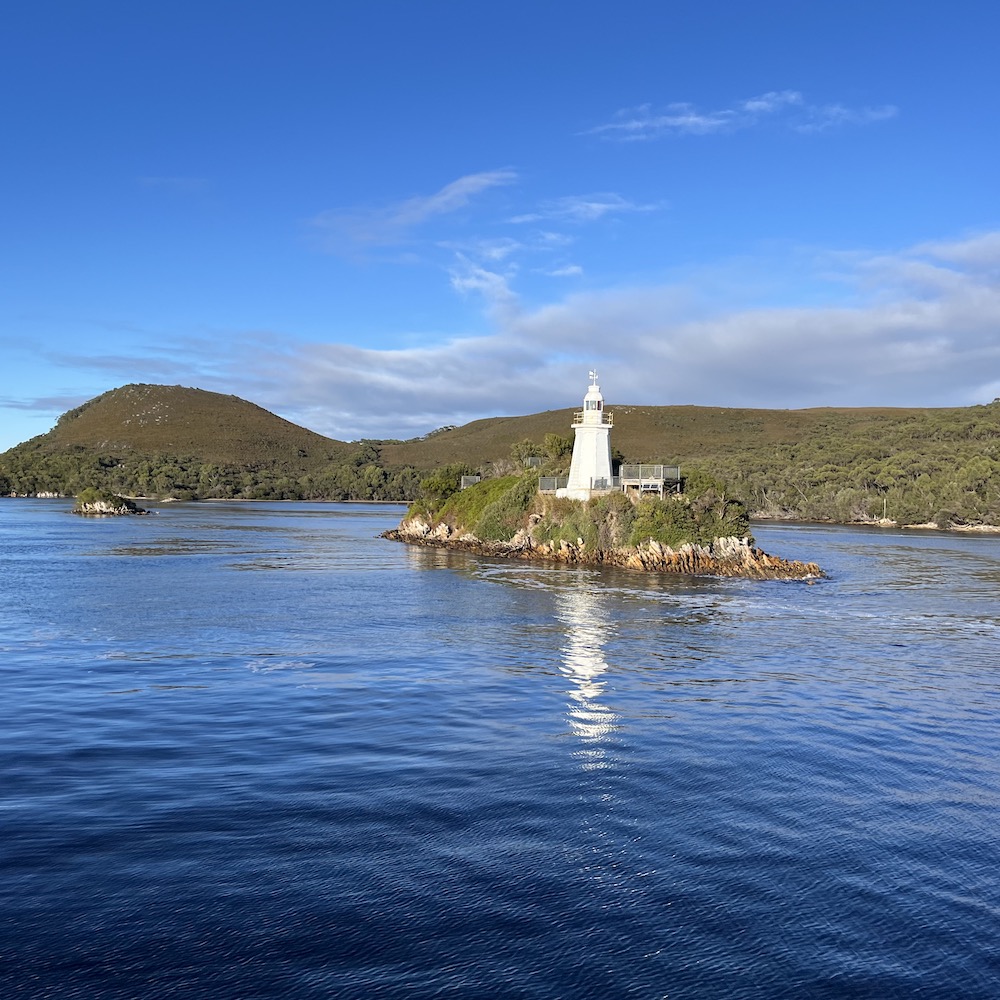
378	218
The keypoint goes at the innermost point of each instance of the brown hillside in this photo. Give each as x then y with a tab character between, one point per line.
671	434
162	419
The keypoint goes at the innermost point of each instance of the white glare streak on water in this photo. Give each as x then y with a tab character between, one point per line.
255	751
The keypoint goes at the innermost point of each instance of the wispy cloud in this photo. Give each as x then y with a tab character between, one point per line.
787	107
468	276
43	404
486	249
392	224
146	356
583	208
138	365
982	250
827	116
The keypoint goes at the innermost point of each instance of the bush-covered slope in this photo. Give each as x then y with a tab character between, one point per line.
174	419
155	440
909	465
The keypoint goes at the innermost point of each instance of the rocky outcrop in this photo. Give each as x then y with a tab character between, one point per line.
732	557
105	506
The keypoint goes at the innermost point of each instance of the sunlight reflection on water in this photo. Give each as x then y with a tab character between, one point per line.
350	767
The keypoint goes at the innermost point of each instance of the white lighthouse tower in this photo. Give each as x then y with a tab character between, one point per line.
591	466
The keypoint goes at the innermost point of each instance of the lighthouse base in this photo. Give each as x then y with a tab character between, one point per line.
576	492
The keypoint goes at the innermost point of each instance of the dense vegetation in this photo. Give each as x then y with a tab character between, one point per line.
29	469
909	465
160	441
496	509
912	466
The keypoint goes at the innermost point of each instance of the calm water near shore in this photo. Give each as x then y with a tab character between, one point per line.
255	751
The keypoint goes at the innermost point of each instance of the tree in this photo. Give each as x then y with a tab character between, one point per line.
445	482
557	446
522	450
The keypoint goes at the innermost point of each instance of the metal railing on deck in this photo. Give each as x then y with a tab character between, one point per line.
607	419
606	485
635	474
645	478
549	484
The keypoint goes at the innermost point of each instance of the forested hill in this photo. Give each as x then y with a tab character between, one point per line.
157	440
910	465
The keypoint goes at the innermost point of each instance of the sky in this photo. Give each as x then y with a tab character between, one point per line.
376	219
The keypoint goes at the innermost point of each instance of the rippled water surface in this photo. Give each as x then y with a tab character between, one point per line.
255	751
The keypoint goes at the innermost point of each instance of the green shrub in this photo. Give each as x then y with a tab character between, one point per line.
444	483
464	509
616	515
91	495
669	521
501	518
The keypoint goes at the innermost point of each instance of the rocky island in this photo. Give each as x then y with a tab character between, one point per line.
643	517
103	503
702	535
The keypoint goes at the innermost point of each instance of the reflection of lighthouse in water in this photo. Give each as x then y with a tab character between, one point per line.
583	662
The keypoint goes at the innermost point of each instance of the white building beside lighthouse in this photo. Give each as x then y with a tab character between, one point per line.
590	468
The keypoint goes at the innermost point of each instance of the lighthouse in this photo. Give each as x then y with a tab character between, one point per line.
590	469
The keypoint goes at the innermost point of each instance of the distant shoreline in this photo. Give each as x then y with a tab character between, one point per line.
963	529
388	503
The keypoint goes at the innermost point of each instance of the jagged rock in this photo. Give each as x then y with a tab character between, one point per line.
731	557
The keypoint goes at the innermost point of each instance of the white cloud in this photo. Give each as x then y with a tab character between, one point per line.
480	264
632	124
392	224
819	119
974	251
905	335
468	276
788	107
916	326
583	208
553	240
772	101
486	249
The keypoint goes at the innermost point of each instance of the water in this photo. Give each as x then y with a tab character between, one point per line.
255	751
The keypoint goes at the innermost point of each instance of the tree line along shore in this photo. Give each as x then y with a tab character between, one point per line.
894	466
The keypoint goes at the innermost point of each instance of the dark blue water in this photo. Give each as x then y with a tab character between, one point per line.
255	751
